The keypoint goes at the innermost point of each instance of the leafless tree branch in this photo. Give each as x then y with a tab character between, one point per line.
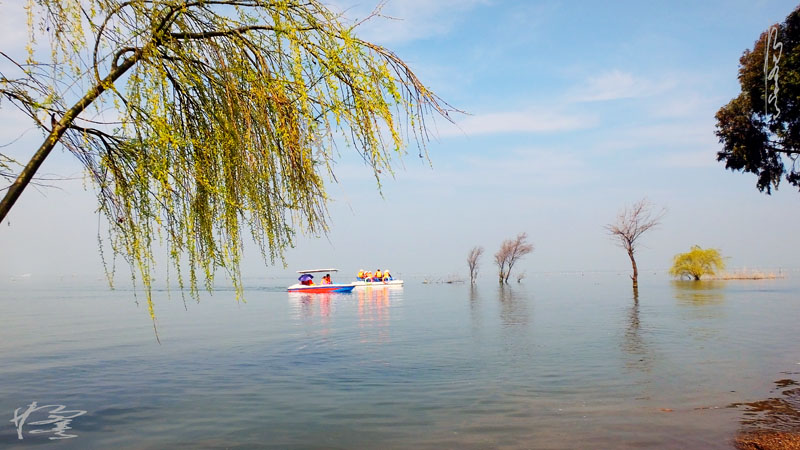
511	251
472	262
629	227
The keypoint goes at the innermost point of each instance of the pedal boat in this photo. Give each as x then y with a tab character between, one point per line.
379	283
319	288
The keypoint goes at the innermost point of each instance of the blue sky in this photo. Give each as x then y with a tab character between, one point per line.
575	111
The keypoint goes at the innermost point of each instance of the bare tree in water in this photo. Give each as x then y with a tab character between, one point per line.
631	224
511	251
472	262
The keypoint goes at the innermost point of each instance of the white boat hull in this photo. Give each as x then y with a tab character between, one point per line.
378	283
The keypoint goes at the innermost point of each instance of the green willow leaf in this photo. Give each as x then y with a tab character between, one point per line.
226	114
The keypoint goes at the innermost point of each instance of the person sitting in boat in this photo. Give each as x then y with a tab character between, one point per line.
378	275
360	276
326	279
367	276
305	280
386	275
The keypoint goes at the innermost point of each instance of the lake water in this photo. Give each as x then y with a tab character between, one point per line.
560	361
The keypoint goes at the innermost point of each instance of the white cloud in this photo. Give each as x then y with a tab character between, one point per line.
672	134
686	135
499	167
538	166
684	105
704	158
616	85
406	20
516	122
677	145
13	28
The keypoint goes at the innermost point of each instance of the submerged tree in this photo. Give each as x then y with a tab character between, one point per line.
631	224
511	251
696	263
199	121
472	262
760	128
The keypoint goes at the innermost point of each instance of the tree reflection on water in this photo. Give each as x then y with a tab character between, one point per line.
703	302
514	320
633	343
513	306
702	292
474	307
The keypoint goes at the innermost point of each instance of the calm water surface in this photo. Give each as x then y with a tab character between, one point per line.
556	362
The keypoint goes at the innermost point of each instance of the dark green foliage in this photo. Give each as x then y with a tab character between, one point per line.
760	134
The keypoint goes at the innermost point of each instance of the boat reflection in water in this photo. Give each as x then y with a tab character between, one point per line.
374	307
323	313
372	303
307	303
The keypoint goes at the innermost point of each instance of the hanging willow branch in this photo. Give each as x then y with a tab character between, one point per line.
224	119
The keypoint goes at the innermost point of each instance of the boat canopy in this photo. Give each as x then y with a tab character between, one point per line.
317	270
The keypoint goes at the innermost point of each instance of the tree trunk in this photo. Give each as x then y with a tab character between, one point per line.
635	276
25	177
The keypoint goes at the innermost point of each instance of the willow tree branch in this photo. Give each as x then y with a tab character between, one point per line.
27	174
231	32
